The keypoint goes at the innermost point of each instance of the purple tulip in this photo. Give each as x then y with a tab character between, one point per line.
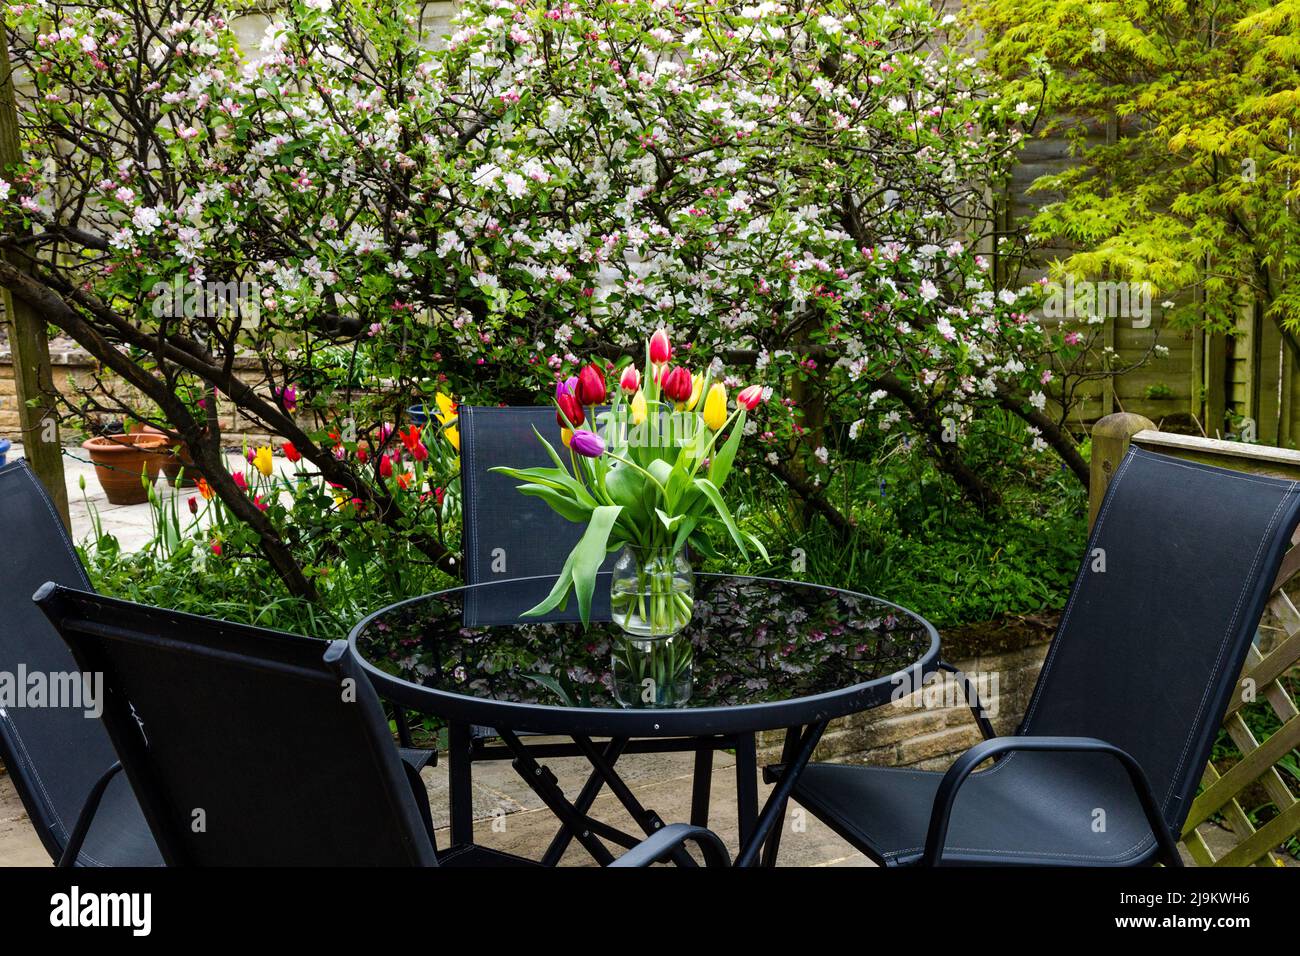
588	444
569	385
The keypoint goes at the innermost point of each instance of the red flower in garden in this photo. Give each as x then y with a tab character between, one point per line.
386	466
194	505
591	386
240	481
216	546
630	380
439	495
419	452
291	453
410	437
404	480
261	505
362	455
677	384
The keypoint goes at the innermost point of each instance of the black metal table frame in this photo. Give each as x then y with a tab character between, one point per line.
706	730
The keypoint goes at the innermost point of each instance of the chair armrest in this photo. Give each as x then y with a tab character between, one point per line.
661	844
87	816
972	700
967	762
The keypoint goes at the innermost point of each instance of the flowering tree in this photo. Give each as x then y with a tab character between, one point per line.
796	188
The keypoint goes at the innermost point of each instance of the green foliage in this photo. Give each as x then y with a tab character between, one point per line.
1194	193
918	545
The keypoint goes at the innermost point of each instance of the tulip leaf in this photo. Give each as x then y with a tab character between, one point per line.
625	484
560	503
589	553
684	532
559	596
669	523
558	478
715	498
720	465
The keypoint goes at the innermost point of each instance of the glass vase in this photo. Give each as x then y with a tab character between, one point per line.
652	592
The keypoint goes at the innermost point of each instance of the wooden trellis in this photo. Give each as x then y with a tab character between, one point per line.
1264	669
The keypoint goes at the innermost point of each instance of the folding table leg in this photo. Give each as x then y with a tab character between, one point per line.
749	851
590	790
746	784
773	844
459	746
701	784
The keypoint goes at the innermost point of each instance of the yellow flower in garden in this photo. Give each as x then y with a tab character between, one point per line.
263	462
446	411
453	436
565	435
697	385
638	408
715	406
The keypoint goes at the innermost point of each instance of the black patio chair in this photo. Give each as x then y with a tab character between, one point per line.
1104	766
61	761
250	747
510	537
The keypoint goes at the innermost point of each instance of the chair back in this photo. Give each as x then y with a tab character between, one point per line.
507	535
1179	566
57	749
246	747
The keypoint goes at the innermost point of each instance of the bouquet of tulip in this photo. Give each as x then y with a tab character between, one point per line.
645	474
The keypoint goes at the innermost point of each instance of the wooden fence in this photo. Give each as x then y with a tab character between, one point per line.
1275	655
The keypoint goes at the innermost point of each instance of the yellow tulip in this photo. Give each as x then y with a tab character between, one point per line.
263	462
453	436
638	408
715	406
565	435
446	408
697	385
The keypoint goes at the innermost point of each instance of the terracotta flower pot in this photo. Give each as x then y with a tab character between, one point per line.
176	457
121	459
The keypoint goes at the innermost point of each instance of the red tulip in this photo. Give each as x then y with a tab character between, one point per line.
750	397
216	546
386	466
419	452
240	481
661	349
630	380
591	386
194	505
677	384
410	438
571	408
291	453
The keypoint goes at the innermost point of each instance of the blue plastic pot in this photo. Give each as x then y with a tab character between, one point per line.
5	445
418	414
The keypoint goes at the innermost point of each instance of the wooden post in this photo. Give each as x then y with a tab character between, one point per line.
1110	440
28	342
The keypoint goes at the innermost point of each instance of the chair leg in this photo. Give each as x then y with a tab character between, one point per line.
459	761
746	785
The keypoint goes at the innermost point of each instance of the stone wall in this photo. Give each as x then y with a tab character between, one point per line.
74	368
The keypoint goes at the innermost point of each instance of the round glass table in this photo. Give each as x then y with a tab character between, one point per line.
766	654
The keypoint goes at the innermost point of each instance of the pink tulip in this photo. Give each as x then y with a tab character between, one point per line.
661	349
591	386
